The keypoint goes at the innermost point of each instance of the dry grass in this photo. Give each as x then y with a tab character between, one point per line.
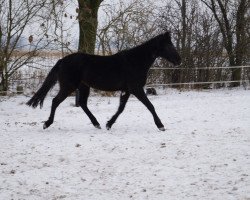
47	54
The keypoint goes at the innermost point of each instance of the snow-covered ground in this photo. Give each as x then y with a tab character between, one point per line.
203	154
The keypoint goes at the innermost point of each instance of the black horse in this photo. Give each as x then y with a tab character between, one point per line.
125	71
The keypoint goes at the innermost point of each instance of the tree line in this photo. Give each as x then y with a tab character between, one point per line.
207	33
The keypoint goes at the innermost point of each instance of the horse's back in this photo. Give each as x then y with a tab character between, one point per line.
100	72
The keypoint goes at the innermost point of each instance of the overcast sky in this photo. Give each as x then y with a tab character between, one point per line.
71	25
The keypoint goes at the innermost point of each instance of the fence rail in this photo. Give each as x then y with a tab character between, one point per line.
31	81
196	83
198	68
199	82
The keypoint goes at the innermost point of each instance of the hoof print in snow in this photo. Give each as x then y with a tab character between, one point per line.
3	164
78	145
163	145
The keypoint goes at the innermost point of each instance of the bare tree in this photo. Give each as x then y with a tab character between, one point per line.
126	25
62	22
16	17
232	20
87	16
197	38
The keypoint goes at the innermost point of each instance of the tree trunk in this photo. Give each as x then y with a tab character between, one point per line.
4	81
240	48
87	17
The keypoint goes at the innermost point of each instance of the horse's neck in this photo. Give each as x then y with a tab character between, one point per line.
145	54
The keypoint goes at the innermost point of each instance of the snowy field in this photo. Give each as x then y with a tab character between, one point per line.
203	154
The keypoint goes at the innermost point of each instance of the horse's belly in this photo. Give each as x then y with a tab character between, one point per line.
106	84
104	78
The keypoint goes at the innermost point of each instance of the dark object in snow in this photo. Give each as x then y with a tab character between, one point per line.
19	89
163	145
125	71
78	145
151	91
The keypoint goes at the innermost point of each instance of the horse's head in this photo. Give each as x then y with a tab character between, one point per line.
166	49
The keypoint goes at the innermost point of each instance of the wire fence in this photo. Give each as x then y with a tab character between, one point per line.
28	81
243	81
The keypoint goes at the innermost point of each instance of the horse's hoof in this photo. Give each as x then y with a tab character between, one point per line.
108	127
162	128
45	126
98	126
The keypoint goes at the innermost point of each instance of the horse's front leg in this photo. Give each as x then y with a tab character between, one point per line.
140	94
123	100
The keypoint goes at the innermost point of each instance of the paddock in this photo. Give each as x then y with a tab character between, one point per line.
203	154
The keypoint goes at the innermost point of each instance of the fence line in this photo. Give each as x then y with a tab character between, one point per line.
198	83
204	68
27	76
195	83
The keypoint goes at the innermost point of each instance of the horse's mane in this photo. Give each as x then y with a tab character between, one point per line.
146	44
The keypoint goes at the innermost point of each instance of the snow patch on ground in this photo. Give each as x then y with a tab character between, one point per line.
203	154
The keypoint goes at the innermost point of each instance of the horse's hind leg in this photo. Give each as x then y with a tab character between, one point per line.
60	97
123	100
84	94
140	94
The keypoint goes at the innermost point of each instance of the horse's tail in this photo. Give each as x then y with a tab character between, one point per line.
49	82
